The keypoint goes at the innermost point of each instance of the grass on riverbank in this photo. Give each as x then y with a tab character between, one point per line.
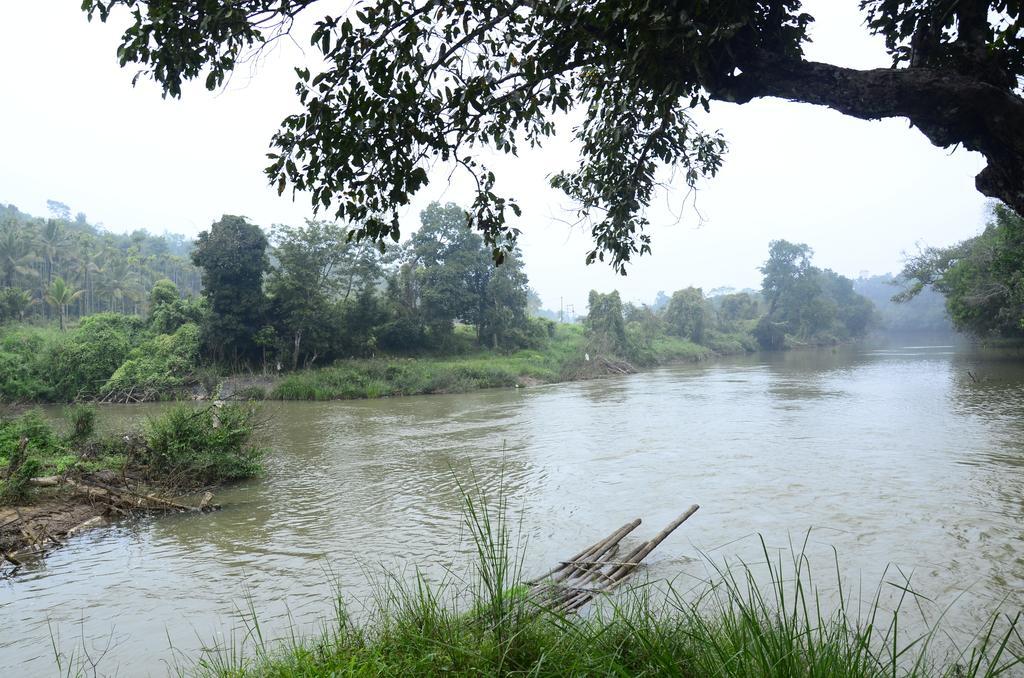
348	379
563	359
751	620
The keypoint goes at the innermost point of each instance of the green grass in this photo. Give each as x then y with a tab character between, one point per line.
562	359
380	377
750	620
673	349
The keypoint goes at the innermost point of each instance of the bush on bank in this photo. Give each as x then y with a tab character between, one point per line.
202	446
159	365
184	447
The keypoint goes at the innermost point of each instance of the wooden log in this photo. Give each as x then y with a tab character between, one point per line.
10	558
81	527
46	481
167	502
633	560
661	536
88	490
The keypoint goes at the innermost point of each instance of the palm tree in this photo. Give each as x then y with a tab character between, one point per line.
52	238
119	282
15	253
17	302
59	296
87	264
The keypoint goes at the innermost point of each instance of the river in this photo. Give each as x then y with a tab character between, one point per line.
908	456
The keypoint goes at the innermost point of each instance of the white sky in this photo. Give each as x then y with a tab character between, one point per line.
860	193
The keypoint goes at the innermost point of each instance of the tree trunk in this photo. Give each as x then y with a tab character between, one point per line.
949	108
295	351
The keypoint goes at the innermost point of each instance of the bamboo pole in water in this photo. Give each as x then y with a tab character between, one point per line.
574	582
624	530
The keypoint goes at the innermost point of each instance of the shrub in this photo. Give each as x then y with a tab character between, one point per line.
25	372
17	381
203	446
250	393
22	462
159	365
42	440
83	360
15	488
83	422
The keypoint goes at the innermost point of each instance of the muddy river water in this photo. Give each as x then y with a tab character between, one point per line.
909	455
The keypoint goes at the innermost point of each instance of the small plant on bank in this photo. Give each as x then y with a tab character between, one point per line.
203	446
14	481
250	393
42	440
82	419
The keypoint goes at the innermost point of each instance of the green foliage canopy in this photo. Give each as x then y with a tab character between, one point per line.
982	278
232	255
400	84
113	271
686	314
806	302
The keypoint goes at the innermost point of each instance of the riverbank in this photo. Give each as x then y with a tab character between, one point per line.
731	629
96	361
746	620
54	483
566	357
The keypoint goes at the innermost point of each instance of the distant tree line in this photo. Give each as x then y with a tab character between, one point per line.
62	267
313	293
296	297
925	313
798	304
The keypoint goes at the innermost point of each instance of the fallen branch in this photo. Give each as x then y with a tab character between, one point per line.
46	481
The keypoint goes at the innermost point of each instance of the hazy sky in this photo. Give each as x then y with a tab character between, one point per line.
860	193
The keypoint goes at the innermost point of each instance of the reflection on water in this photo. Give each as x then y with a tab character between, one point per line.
910	455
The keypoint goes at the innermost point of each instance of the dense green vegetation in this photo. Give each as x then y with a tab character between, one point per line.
805	303
798	304
982	278
324	315
322	295
59	267
201	446
106	356
184	447
310	294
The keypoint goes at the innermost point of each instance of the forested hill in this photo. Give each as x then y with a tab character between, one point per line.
924	313
114	271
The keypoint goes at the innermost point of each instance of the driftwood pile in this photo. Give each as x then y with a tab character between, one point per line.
596	569
33	530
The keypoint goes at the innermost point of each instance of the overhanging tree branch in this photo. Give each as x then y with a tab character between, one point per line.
948	108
